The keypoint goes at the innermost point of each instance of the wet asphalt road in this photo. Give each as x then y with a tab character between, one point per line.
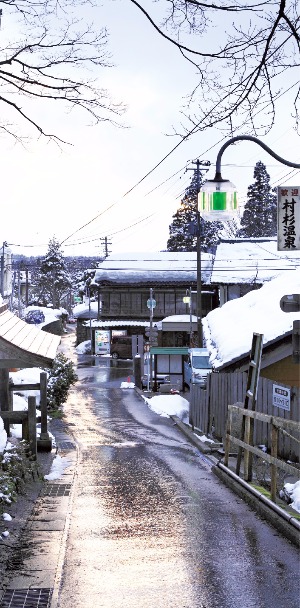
150	525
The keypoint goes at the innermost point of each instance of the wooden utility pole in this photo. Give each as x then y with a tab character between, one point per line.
199	170
106	243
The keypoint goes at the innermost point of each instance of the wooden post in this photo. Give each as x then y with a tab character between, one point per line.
250	399
43	402
44	442
32	425
227	440
137	371
5	401
246	439
274	449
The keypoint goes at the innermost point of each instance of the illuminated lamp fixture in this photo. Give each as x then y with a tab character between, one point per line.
217	199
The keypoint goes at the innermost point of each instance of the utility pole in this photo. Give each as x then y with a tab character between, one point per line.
27	287
105	245
197	232
3	267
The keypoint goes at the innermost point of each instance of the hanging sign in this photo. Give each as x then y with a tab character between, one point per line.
288	218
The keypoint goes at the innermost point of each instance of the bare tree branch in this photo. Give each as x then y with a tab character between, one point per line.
241	73
51	63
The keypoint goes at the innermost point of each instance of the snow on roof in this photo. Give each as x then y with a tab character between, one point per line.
99	323
25	343
85	310
179	319
251	260
164	266
228	330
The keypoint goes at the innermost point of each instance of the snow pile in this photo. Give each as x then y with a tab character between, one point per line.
293	491
59	464
169	405
3	436
84	348
127	384
6	517
30	375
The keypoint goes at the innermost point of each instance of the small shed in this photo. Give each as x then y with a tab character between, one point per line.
22	345
170	361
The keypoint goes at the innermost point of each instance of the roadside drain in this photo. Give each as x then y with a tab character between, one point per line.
66	445
57	489
26	598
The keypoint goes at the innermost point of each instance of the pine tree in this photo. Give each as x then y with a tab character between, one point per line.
52	280
260	213
181	238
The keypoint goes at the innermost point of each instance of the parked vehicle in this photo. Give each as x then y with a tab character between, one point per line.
160	379
196	367
121	347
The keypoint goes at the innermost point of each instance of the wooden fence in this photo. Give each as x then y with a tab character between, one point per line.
209	408
28	420
277	424
28	417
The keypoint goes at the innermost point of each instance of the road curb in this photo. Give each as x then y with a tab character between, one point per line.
203	447
284	523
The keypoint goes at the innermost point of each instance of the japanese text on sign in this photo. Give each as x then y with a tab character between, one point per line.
281	397
288	218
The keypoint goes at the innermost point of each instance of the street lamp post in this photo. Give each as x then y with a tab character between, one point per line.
195	230
218	197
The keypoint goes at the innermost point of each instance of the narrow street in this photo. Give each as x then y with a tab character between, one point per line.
150	525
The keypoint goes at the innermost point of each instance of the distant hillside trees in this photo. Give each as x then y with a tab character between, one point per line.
260	214
180	238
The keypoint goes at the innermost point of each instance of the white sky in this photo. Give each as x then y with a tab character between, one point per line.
47	191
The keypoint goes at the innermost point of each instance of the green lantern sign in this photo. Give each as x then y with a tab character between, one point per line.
217	200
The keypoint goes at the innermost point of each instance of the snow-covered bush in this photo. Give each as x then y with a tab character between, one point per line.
60	377
15	468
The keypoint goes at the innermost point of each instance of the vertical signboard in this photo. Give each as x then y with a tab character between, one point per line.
288	218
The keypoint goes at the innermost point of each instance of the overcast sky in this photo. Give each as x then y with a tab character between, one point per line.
49	191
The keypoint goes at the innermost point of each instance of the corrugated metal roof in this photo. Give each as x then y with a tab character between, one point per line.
169	350
24	343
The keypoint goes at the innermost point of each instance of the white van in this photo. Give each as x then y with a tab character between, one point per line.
196	367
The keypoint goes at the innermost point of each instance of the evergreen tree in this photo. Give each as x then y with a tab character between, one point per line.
52	279
260	213
180	238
